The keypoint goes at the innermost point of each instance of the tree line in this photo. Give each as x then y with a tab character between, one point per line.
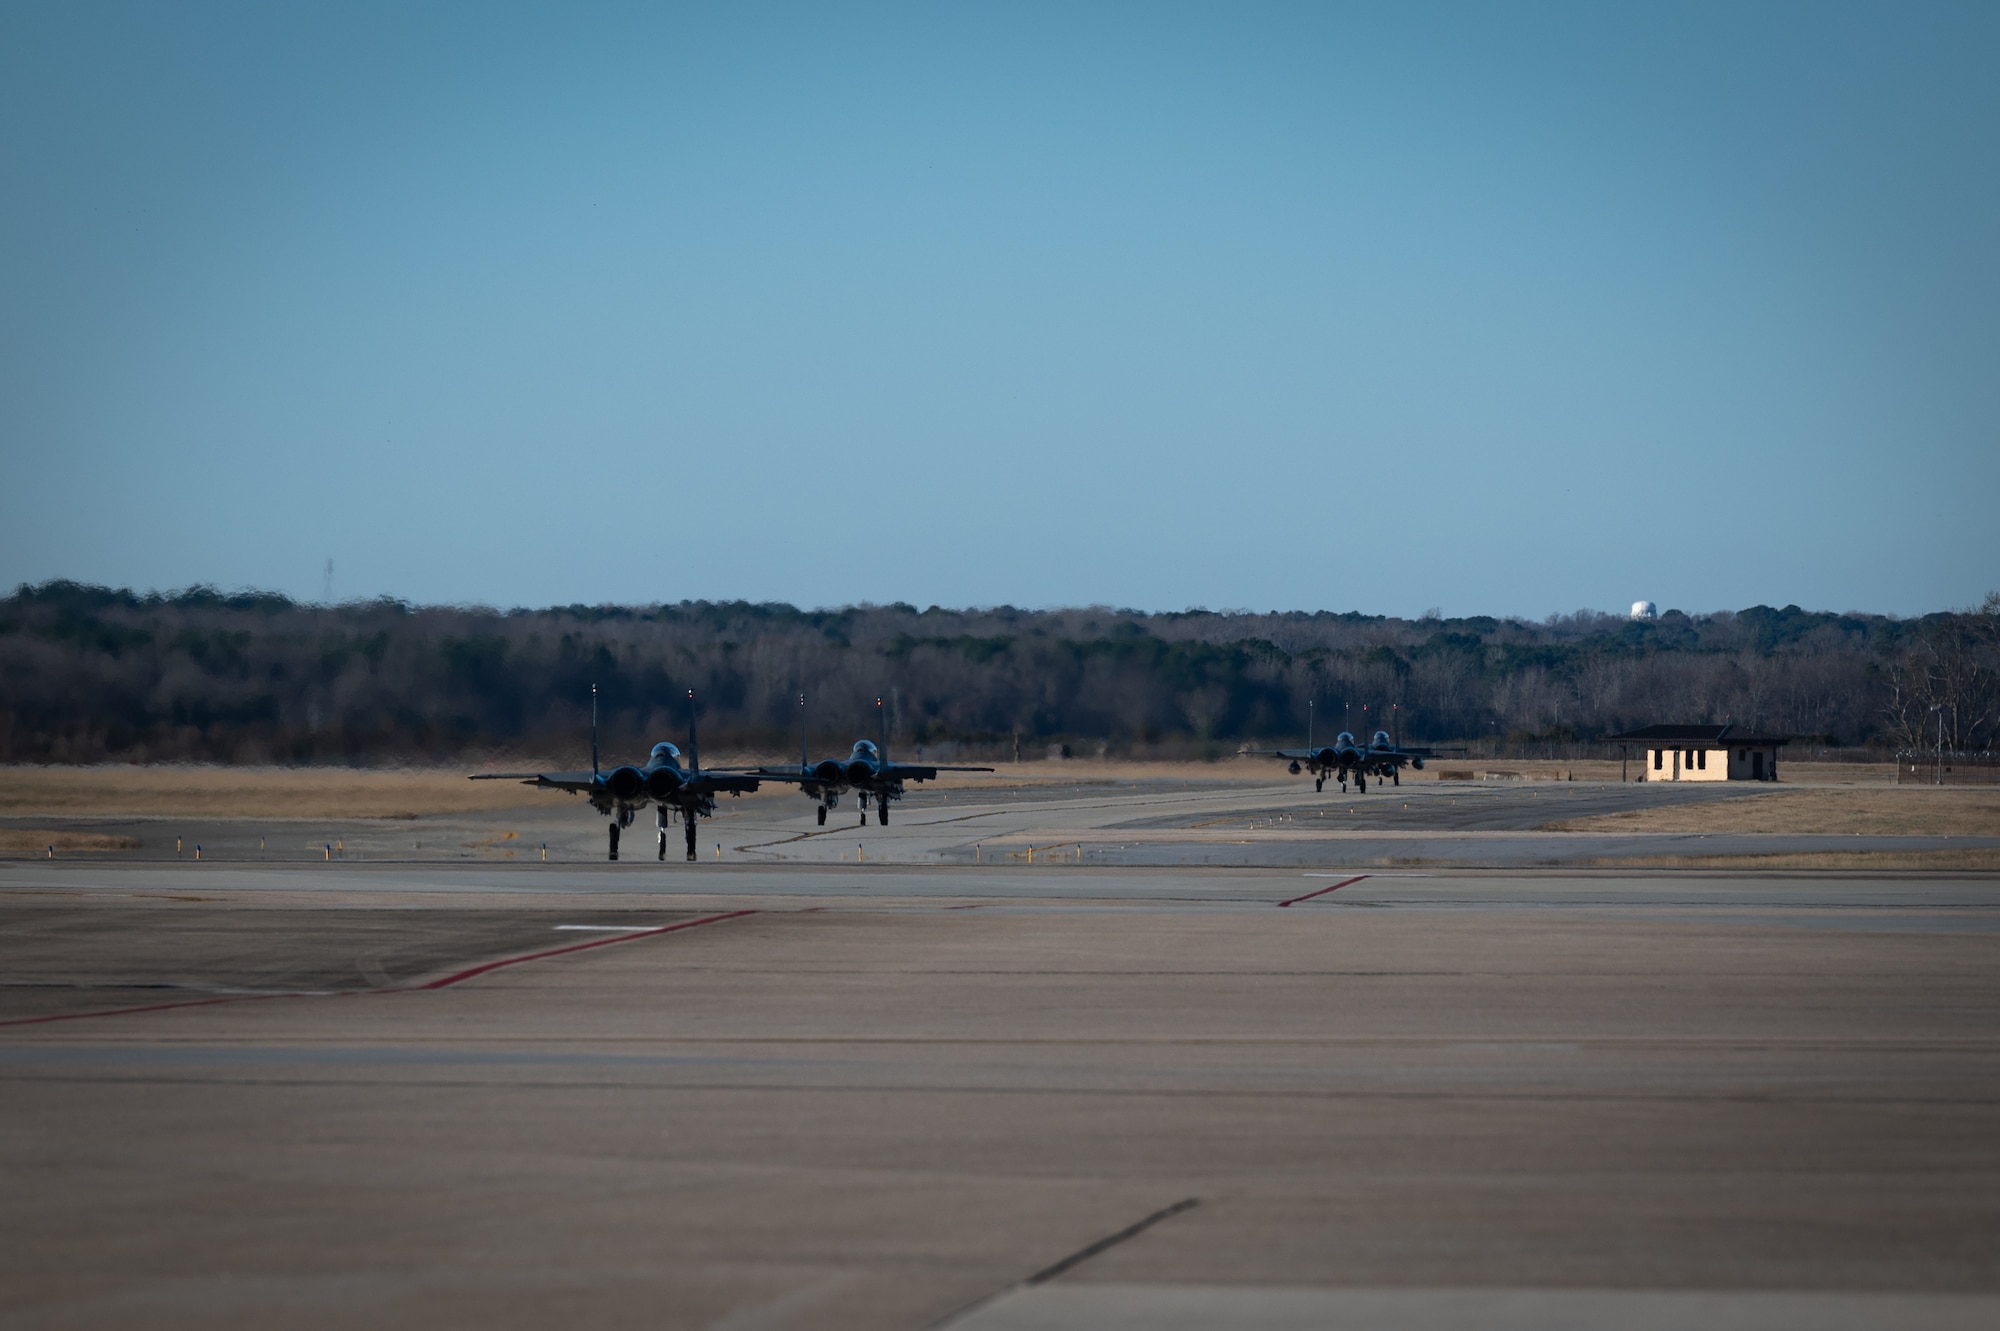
92	674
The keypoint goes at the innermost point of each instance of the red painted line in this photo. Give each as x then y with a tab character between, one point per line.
450	980
353	993
151	1007
1324	890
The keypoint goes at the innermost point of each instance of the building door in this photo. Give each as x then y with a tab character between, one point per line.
1756	765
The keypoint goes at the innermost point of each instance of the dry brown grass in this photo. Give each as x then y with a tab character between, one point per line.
37	840
1074	771
244	792
1800	773
1844	859
345	792
1880	810
1526	769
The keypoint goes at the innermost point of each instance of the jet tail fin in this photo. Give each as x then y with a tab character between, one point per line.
805	753
694	740
882	730
593	730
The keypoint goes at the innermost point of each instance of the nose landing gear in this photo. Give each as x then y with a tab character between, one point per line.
662	813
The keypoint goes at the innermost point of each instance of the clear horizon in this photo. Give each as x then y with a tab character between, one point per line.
1321	307
340	602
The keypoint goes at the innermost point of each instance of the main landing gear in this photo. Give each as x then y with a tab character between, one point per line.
1319	784
1397	776
822	815
862	797
614	841
690	820
881	813
662	813
1361	782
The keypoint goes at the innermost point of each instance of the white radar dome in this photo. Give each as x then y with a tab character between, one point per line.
1645	610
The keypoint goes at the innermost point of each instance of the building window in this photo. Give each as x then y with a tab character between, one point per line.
1701	759
1659	756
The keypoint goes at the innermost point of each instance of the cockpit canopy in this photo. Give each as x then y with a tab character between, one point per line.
1345	738
663	754
1381	739
864	748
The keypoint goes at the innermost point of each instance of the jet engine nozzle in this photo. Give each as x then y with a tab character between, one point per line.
859	771
625	783
662	782
829	771
1327	757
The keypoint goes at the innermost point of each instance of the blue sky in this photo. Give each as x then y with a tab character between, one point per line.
1501	309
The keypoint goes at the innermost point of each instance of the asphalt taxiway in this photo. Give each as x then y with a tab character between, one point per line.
881	1096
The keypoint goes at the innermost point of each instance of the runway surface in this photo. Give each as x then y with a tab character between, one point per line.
1237	823
995	1097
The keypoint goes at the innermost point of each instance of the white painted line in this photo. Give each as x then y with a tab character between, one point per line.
607	928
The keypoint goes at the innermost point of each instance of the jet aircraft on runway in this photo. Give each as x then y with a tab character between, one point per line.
687	792
866	770
1345	759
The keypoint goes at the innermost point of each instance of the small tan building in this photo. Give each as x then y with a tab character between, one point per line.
1703	753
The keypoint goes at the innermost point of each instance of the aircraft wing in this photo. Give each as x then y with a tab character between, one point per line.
913	772
570	781
1297	755
733	782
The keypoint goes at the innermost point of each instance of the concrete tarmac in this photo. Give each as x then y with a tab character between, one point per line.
995	1098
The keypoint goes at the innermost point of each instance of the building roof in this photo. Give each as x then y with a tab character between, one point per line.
1714	736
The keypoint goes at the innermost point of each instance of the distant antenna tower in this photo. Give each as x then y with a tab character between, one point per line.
327	598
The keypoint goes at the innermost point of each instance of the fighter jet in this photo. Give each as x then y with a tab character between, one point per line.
866	770
1345	758
674	790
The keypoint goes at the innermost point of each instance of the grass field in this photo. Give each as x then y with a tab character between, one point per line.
1875	860
35	840
245	792
1880	810
170	790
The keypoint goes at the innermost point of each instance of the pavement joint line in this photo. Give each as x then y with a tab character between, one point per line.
1066	1264
1110	1241
1331	887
